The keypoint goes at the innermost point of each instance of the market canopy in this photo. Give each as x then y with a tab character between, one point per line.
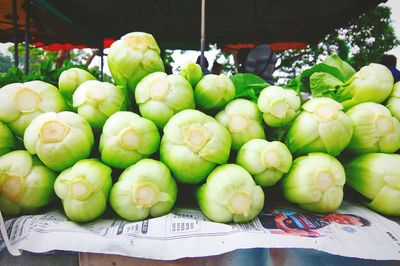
176	23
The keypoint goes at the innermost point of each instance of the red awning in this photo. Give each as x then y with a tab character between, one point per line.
67	46
283	46
276	46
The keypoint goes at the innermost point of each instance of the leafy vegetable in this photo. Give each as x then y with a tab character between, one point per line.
59	139
22	102
373	83
377	177
315	182
375	129
332	68
320	127
132	57
346	70
25	184
230	194
145	188
193	144
84	189
243	120
7	141
191	72
393	103
324	84
248	85
96	101
160	96
70	80
214	91
266	161
279	106
127	138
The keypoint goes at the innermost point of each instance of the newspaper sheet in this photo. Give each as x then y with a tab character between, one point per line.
353	231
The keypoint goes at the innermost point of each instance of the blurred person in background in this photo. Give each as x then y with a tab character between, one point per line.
216	68
390	61
260	61
205	66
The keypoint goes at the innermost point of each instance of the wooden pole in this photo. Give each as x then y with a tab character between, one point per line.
102	60
27	35
203	33
15	32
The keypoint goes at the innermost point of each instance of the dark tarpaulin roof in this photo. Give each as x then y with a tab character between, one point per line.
176	23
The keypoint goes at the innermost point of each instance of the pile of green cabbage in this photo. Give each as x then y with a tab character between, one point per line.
231	138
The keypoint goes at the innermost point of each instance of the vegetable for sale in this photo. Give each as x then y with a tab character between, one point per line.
144	189
214	91
248	85
192	72
323	78
393	103
25	184
278	105
22	102
160	96
243	120
376	176
7	141
230	195
127	138
315	182
320	127
373	83
84	189
132	57
266	161
375	129
96	101
59	139
70	80
345	69
193	144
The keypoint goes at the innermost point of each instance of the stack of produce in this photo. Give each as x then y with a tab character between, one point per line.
231	138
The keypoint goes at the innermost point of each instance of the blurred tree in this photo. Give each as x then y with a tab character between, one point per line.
5	62
362	41
36	56
48	65
166	56
226	61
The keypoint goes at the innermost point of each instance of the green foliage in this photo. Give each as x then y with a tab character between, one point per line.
13	75
362	41
248	85
376	27
5	62
47	72
36	56
333	68
42	66
167	56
